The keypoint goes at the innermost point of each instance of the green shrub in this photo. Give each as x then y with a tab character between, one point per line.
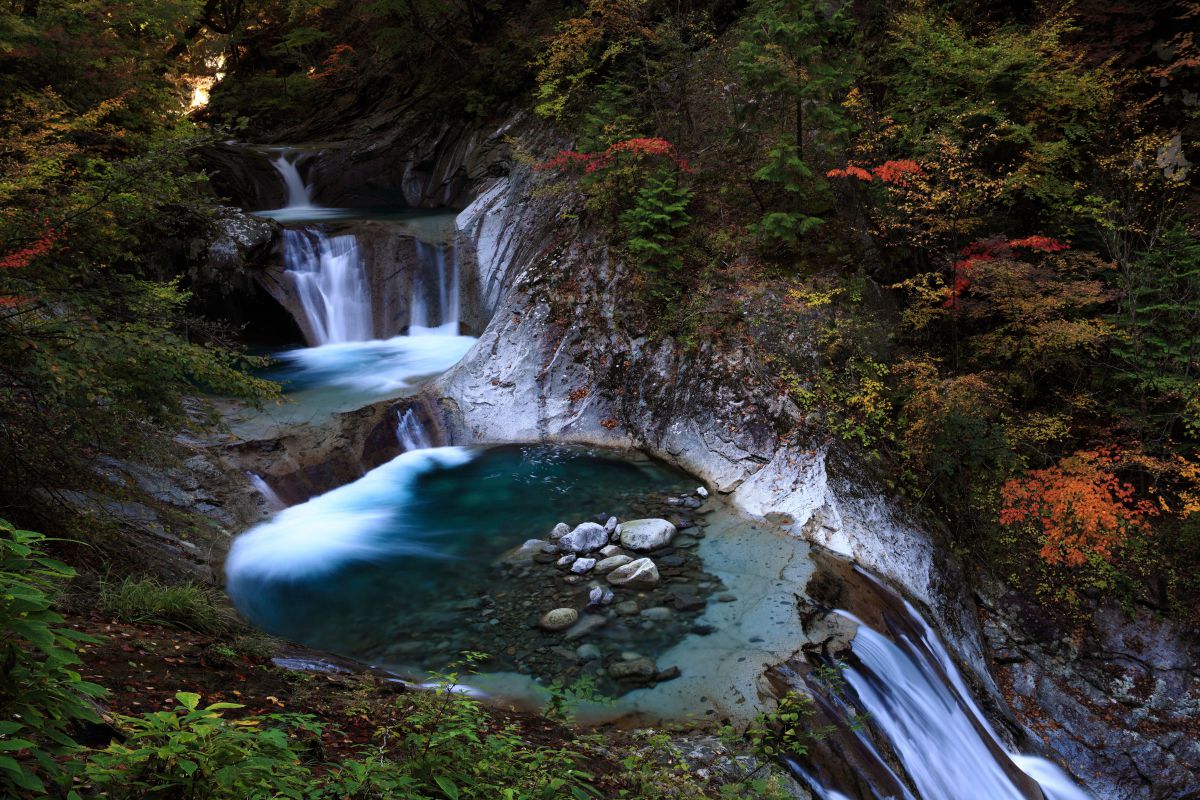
195	753
185	605
41	693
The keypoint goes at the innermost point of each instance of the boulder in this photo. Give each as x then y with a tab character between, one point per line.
639	670
611	524
559	619
640	574
582	565
560	530
567	560
586	537
610	550
524	552
644	535
612	562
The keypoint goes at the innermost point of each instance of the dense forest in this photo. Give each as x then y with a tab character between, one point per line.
962	238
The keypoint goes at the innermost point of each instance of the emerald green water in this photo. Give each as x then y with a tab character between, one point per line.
390	569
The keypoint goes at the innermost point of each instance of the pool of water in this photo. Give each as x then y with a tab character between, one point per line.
391	569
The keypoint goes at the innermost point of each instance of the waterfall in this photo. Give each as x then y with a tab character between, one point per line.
330	282
274	501
299	193
435	301
411	433
914	695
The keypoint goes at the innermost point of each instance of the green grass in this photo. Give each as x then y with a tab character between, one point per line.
185	605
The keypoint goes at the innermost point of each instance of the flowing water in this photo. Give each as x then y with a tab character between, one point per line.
348	364
914	697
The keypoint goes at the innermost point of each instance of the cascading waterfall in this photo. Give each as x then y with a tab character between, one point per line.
914	695
436	296
411	434
299	193
274	501
330	282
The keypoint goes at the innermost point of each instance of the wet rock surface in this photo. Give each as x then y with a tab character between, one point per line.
1120	702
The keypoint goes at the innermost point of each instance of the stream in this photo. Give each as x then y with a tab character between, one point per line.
445	549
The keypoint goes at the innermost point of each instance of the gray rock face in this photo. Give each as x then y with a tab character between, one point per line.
607	565
640	574
559	619
644	535
586	537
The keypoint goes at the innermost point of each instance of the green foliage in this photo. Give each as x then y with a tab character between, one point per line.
186	605
795	62
194	752
41	692
1159	321
652	224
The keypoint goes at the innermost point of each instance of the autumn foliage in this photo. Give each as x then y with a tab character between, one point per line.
1081	507
594	162
976	253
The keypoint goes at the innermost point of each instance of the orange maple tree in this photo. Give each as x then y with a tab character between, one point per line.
1081	506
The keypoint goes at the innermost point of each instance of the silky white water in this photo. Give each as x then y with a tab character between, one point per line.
937	731
410	433
330	282
434	310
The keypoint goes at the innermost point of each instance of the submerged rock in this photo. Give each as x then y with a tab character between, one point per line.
612	562
559	619
586	537
644	535
640	670
587	624
587	652
640	574
626	608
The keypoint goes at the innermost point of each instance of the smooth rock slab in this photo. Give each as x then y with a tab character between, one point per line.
612	562
586	537
640	574
644	535
559	619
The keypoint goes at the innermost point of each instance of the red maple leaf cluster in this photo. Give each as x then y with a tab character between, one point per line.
991	250
23	257
898	173
652	147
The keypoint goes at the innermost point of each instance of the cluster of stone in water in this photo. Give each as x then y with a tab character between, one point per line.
553	615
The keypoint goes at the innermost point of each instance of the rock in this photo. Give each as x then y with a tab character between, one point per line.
567	560
587	652
587	624
671	561
639	670
524	552
700	490
582	565
686	600
607	565
559	619
548	548
610	550
573	580
626	608
640	574
668	674
686	541
611	524
560	530
726	598
595	596
644	535
658	613
586	537
606	598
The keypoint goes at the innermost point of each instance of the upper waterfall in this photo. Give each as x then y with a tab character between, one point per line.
327	273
